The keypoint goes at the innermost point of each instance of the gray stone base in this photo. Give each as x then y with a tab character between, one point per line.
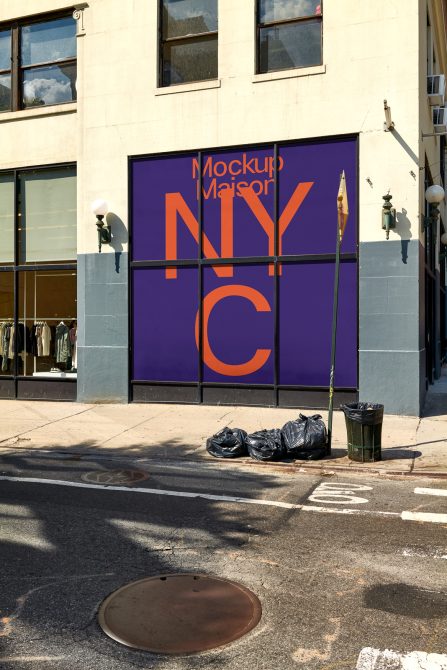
391	354
103	347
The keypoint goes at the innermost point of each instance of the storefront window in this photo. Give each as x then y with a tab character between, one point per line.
232	250
38	329
6	322
47	216
47	318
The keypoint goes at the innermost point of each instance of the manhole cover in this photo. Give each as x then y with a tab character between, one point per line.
114	476
179	614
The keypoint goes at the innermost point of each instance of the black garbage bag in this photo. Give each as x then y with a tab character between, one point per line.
266	445
305	434
366	413
227	443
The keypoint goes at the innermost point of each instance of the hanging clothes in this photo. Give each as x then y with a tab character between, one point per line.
63	347
39	339
2	328
46	339
6	336
11	342
33	340
73	343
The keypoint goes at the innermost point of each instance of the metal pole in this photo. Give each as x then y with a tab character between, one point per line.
334	332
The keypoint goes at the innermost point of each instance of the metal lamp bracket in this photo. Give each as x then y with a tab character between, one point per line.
104	232
388	215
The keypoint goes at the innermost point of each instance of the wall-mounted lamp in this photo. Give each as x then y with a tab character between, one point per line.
434	195
388	215
100	208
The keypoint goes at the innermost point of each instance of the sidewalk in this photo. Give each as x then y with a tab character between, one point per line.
410	446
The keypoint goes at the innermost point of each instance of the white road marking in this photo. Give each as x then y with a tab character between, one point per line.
354	512
159	492
424	516
206	496
31	659
372	659
337	493
420	553
431	492
406	516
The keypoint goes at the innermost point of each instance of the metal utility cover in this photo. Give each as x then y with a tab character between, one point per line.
179	613
114	477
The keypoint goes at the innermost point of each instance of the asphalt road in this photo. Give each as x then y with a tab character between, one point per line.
339	564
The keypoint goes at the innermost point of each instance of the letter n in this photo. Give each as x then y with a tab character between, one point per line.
176	206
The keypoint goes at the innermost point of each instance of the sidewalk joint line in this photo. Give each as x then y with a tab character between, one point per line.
44	425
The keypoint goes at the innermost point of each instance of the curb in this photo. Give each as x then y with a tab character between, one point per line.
327	469
315	467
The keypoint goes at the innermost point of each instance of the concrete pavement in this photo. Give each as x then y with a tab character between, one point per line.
410	446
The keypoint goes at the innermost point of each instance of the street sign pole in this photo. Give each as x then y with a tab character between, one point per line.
334	333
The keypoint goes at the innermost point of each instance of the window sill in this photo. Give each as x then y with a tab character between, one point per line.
289	74
52	375
47	110
190	86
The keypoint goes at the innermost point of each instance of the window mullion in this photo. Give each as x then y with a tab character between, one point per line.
15	69
284	22
51	63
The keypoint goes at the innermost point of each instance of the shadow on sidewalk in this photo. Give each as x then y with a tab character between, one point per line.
435	405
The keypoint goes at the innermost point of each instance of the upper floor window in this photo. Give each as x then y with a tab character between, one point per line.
188	47
289	34
37	63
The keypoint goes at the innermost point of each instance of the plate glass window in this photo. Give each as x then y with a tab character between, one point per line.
188	41
289	34
6	218
38	301
47	211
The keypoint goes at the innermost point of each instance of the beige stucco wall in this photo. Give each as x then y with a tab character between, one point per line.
372	51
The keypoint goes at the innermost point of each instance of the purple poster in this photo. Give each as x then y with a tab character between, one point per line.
164	315
238	326
231	195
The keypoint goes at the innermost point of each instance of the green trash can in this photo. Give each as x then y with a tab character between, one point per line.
364	427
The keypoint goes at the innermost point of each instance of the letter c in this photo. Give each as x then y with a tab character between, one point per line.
260	357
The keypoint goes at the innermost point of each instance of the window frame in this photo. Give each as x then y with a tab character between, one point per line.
282	22
15	384
181	39
16	70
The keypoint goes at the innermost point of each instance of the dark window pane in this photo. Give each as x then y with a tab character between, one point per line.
279	10
5	50
49	41
290	46
49	85
5	92
188	17
194	60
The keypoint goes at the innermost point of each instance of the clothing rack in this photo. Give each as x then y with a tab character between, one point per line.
53	318
40	320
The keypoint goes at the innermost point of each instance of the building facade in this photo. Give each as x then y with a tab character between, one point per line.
217	131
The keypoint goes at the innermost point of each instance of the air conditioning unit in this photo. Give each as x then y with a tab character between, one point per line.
436	89
440	119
